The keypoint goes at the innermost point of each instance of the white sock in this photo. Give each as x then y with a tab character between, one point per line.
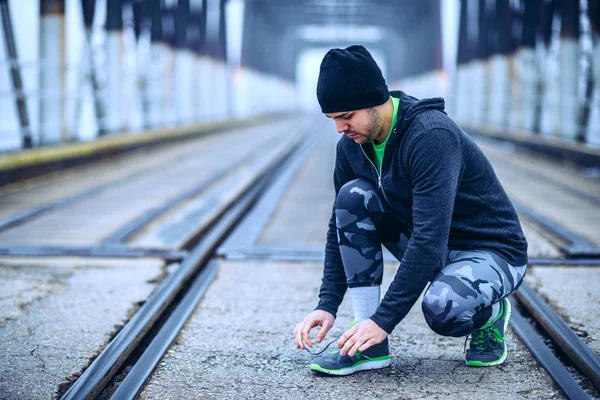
365	300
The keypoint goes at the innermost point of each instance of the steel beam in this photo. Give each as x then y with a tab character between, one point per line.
15	74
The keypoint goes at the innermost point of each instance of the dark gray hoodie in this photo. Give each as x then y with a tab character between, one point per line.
442	189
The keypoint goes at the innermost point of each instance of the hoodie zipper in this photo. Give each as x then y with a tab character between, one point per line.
378	173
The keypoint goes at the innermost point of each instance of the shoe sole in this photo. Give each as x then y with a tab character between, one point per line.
504	353
363	366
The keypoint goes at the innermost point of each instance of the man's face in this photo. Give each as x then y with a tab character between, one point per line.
363	126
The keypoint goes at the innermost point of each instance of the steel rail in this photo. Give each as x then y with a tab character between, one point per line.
139	374
578	245
23	216
187	132
546	358
103	368
578	352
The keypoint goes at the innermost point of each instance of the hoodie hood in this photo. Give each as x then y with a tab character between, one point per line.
410	107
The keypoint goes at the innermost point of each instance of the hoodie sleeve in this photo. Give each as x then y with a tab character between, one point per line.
435	166
333	284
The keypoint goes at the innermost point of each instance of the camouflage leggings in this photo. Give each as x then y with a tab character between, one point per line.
464	285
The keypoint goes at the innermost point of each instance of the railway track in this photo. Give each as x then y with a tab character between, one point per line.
556	331
166	311
545	333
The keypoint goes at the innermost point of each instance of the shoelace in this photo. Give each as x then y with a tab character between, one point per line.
358	353
481	338
323	350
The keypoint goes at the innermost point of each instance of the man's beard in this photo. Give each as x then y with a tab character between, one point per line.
373	129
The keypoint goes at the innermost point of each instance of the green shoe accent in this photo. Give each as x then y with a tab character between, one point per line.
476	363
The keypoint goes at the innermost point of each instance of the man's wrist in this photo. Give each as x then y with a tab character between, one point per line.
382	323
327	307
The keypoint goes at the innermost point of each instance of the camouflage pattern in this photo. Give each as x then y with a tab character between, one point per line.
465	283
360	216
459	298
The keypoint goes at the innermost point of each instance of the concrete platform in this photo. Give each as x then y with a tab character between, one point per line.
57	314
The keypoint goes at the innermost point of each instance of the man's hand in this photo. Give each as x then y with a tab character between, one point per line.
302	329
360	337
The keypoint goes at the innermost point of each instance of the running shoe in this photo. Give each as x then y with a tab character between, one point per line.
375	357
488	346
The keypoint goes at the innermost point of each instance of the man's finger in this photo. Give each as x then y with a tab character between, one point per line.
367	344
346	336
306	335
348	345
323	331
299	341
298	336
359	342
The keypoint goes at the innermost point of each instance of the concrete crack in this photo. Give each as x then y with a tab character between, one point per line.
34	354
458	365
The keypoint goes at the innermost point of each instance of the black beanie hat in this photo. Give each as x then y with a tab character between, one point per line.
350	80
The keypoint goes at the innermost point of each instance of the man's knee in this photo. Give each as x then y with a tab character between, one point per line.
448	315
355	194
